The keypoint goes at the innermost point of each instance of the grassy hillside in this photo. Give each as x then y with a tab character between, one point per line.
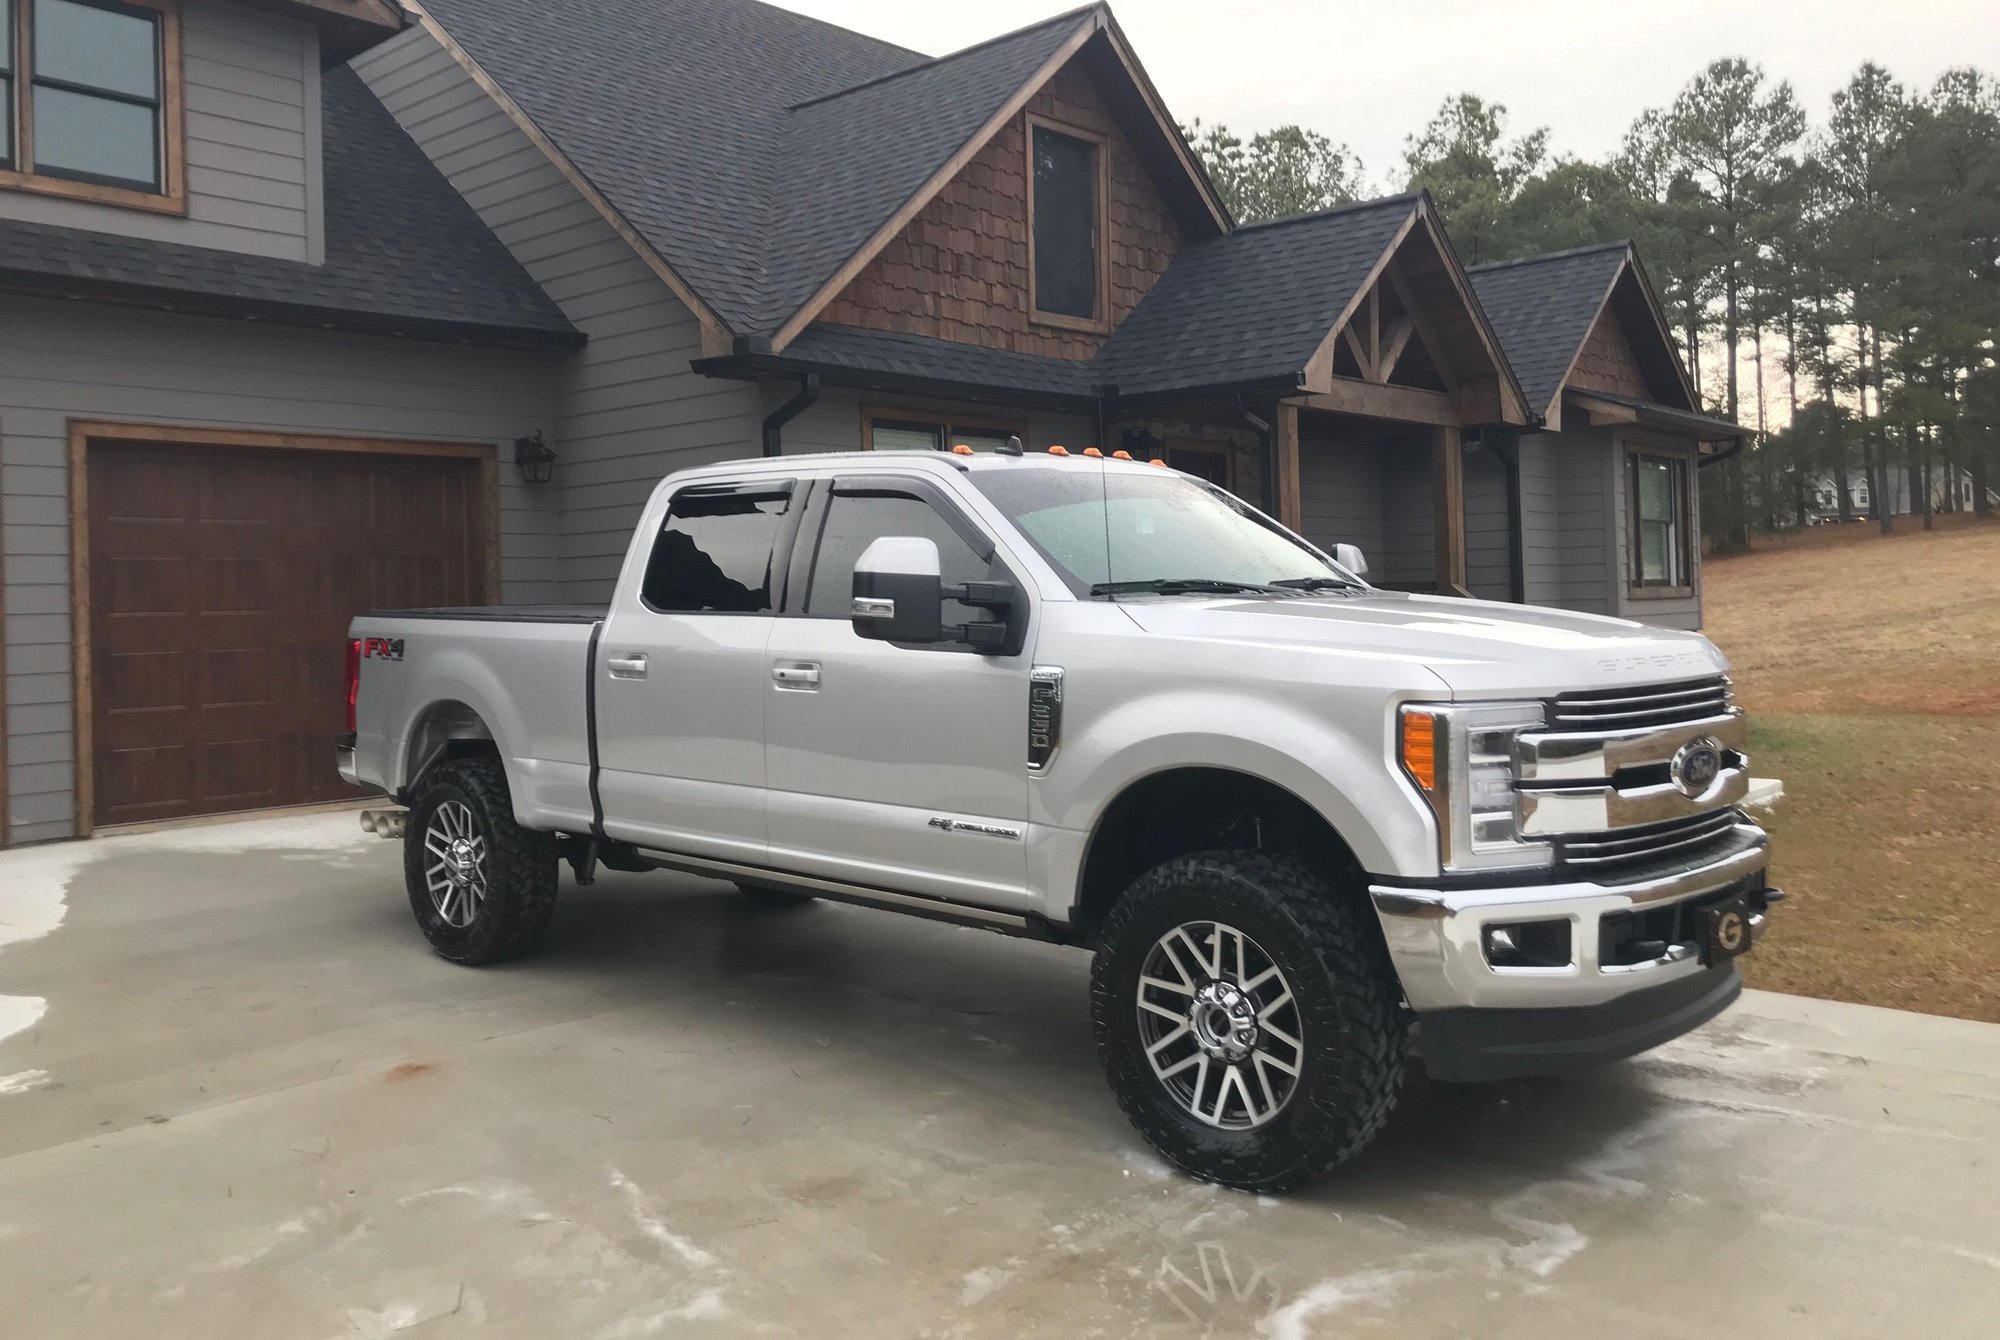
1871	668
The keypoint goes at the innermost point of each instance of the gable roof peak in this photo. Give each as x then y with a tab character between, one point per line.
1068	18
1407	198
1568	253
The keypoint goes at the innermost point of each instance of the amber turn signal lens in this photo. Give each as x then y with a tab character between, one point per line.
1420	748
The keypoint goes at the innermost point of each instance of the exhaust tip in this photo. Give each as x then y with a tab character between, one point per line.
384	823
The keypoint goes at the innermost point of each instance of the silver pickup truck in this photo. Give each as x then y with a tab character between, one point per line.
1310	828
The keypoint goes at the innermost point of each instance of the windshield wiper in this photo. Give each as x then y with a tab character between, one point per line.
1174	586
1319	584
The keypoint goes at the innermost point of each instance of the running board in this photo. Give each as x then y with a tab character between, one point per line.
936	909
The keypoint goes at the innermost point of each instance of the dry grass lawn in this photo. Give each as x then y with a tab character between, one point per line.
1871	668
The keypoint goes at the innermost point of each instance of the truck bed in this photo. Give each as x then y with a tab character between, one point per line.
580	614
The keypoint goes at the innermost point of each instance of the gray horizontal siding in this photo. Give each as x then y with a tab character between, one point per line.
630	410
1541	511
251	93
62	361
1340	496
1585	551
1489	571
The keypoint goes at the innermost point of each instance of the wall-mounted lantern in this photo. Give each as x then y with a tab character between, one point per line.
534	458
1142	442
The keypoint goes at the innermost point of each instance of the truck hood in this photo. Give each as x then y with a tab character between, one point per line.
1479	648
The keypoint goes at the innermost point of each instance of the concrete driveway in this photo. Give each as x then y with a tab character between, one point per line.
255	1105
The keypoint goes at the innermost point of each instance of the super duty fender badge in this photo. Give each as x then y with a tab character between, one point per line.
1045	711
945	825
382	649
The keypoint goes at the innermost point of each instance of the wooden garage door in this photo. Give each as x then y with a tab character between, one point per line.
221	583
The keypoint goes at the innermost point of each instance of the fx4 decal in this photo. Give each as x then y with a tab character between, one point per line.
382	649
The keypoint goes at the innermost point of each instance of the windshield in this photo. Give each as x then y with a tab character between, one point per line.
1114	531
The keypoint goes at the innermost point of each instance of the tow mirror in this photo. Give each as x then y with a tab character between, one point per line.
898	593
899	596
1349	557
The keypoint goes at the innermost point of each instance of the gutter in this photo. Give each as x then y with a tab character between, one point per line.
775	421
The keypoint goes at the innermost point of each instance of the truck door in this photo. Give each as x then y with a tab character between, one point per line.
680	671
895	767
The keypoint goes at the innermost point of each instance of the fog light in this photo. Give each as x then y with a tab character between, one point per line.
1529	944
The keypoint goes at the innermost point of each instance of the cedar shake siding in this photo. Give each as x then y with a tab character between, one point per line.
959	271
1606	362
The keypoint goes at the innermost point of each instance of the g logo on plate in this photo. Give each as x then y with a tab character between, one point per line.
1729	932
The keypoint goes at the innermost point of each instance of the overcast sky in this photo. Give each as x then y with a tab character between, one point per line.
1370	73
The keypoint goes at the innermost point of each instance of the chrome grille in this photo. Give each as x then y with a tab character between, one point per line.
1676	839
1640	707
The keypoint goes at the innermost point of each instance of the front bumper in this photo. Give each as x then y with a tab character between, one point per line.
1481	1045
1437	936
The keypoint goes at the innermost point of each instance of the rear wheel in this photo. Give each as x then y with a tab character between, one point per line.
1247	1018
482	887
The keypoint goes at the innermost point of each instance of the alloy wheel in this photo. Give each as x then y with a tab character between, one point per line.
455	863
1219	1025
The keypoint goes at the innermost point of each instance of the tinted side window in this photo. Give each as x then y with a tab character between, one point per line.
854	521
714	553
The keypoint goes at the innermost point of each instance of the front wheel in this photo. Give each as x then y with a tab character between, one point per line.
482	887
1247	1018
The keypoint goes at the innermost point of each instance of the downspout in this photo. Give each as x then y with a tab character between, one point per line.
1269	442
1507	447
775	421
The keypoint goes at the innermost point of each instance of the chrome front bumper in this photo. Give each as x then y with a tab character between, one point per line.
1436	937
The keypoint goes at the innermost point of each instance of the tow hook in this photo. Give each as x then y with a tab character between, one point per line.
385	823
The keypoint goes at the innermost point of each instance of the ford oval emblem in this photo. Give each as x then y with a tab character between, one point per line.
1696	766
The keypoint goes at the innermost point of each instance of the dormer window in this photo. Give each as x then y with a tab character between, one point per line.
90	100
1068	280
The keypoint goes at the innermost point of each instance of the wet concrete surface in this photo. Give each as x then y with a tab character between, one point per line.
255	1105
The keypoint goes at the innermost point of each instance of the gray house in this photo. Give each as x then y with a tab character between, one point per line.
308	306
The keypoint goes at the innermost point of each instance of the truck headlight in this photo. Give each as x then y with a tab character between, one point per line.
1461	758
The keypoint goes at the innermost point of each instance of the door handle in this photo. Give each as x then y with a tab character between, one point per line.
632	665
798	675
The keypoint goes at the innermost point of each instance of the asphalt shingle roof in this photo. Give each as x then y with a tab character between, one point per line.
1541	310
754	149
1251	304
404	253
823	345
675	110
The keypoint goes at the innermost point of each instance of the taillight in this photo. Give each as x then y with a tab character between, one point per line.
353	679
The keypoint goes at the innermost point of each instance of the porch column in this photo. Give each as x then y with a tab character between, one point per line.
1291	509
1448	493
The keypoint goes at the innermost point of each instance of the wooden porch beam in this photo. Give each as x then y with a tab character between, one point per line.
1448	493
1370	400
1360	352
1393	344
1425	330
1291	504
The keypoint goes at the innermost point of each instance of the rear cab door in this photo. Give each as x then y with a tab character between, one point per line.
897	767
679	670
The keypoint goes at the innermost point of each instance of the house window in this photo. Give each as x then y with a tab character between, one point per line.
1658	487
1066	244
90	100
908	430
